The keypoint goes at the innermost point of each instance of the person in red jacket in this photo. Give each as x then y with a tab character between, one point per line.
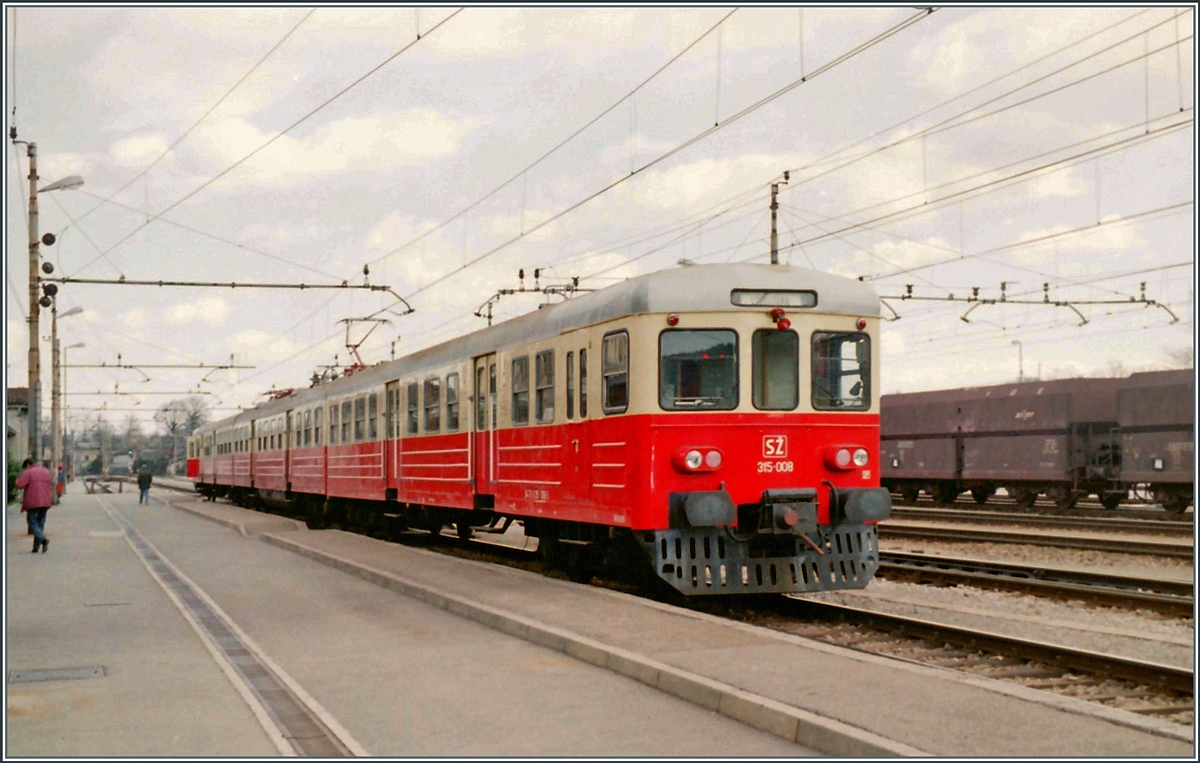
38	485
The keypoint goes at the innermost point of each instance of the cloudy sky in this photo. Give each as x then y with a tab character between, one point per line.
448	147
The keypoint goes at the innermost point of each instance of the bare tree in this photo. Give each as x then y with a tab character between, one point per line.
197	412
180	418
1182	357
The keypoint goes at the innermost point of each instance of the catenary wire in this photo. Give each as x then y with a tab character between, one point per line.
276	137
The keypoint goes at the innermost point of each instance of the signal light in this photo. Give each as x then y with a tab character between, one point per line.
672	319
784	324
862	324
776	314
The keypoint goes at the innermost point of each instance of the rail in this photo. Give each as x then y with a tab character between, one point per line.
1089	543
1063	657
1173	597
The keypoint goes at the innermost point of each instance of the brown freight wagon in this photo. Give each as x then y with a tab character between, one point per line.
1051	437
1155	416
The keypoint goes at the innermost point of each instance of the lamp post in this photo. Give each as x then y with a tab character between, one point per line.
55	416
1020	360
35	360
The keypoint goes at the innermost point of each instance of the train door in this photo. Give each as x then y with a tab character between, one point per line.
391	432
288	447
483	438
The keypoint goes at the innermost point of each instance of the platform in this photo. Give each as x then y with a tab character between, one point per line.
408	651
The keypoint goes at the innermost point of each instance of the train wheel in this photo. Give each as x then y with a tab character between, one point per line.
1063	497
1111	501
1024	498
981	494
946	493
910	494
1176	504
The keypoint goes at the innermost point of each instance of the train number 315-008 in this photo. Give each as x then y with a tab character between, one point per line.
775	467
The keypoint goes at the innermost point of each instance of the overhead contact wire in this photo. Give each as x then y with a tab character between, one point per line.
691	141
279	135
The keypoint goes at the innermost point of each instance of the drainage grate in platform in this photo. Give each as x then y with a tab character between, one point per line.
55	674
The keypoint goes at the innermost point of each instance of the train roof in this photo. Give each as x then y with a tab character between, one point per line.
698	288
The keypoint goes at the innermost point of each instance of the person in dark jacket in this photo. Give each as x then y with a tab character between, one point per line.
38	485
144	480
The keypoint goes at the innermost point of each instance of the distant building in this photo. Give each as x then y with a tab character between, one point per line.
16	415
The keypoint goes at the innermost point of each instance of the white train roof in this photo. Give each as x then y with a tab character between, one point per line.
698	288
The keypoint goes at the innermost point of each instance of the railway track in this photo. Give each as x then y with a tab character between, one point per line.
1170	597
1161	690
914	531
1147	511
992	517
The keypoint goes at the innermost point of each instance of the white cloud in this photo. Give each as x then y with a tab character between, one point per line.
696	184
1064	183
350	144
134	317
210	310
137	150
256	345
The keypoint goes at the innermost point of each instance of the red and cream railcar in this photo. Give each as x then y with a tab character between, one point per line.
724	416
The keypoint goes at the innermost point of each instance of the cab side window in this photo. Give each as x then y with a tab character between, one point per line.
615	371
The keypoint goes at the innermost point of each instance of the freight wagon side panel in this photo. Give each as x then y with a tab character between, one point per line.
1017	457
930	458
1141	450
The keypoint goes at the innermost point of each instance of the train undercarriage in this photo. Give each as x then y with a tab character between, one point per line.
775	546
1172	497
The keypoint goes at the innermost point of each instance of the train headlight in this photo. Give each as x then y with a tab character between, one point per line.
843	458
697	460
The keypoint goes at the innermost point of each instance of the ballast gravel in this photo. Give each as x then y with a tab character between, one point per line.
1137	565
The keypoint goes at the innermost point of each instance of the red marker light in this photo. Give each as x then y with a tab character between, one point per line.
776	314
704	356
672	319
862	324
784	324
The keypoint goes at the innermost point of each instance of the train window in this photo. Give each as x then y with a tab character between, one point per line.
583	384
775	369
614	362
333	424
452	403
372	417
570	386
433	405
317	426
520	390
543	368
773	298
347	412
308	427
841	371
413	391
698	369
360	419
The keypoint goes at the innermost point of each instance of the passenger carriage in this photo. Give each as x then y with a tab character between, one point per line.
725	417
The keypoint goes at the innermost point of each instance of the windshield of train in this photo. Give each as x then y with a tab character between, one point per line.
841	371
698	370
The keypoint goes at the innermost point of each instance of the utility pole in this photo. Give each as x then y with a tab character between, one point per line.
35	360
55	442
774	211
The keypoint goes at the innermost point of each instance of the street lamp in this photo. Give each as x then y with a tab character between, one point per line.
35	360
55	419
1020	360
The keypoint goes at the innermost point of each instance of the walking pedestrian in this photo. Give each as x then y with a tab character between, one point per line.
144	480
38	485
28	517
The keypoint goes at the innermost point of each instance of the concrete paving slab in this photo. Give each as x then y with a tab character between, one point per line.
404	678
914	707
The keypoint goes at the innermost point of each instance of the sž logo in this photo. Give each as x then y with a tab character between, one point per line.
775	446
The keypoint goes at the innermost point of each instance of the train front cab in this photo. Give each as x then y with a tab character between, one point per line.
762	435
